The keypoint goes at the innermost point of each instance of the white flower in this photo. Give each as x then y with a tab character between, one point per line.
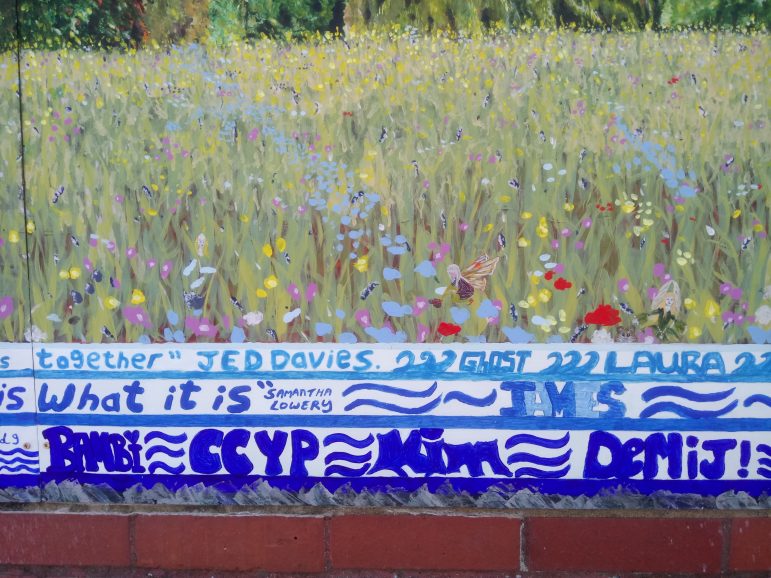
35	334
253	318
602	336
763	315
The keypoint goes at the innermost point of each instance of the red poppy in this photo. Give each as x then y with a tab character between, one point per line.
448	329
562	284
603	315
436	302
673	80
549	275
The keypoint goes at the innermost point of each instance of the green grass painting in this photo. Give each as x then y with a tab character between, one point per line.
318	190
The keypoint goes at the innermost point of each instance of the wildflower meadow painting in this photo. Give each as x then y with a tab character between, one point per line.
453	216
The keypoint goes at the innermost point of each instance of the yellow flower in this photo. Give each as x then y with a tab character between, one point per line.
488	227
689	303
271	282
523	304
711	309
526	215
737	213
13	236
362	264
542	230
568	207
64	274
522	242
30	227
261	293
531	300
267	249
694	332
544	295
137	297
111	303
281	244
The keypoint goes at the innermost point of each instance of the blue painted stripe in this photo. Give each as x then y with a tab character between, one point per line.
568	487
404	422
675	391
11	373
314	376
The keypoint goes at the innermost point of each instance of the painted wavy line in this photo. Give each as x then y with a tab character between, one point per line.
178	439
428	392
343	471
155	466
20	469
539	460
765	472
765	448
346	439
393	407
19	461
486	401
677	391
537	441
19	451
346	457
536	473
757	398
163	450
765	462
683	411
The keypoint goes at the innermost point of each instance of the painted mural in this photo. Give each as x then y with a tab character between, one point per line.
325	247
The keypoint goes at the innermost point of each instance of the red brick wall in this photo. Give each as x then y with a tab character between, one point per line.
346	542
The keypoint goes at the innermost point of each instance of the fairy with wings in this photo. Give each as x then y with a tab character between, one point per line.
472	278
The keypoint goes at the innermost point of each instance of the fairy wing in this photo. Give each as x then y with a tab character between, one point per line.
476	273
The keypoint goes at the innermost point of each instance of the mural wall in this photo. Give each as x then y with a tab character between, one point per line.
385	261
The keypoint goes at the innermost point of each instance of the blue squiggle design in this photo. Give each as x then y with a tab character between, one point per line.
178	439
470	400
682	411
539	460
538	441
20	468
765	462
393	407
163	450
343	471
765	448
347	457
536	473
757	398
155	466
19	451
677	391
18	461
390	389
346	439
765	472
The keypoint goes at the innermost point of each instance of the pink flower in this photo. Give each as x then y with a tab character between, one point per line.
253	134
6	306
293	290
138	316
421	304
89	266
310	292
623	285
363	318
422	332
131	252
658	269
151	263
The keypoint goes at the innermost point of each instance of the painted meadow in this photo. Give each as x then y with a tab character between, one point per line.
318	189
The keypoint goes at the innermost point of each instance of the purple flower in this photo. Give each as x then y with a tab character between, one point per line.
201	327
735	293
166	269
88	264
586	223
422	332
421	303
623	285
138	316
579	245
294	291
658	269
310	292
725	288
151	263
131	252
6	306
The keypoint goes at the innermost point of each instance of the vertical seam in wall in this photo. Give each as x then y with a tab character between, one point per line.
725	528
132	540
327	553
523	544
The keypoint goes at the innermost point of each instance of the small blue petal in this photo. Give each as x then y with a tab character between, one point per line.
144	339
487	309
397	250
426	268
323	329
385	335
459	314
391	274
172	317
347	337
517	335
237	335
340	313
395	309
